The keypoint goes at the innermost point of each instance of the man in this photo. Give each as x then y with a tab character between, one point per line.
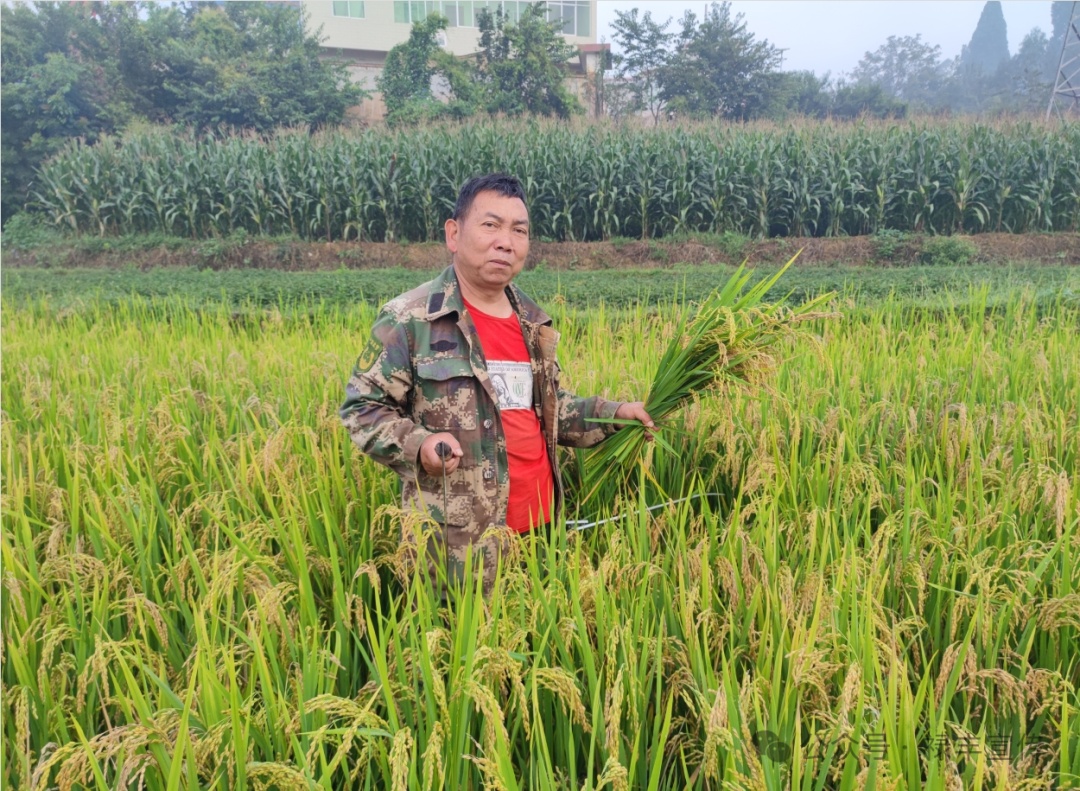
467	362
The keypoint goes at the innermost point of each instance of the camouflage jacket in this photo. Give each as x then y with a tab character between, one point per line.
423	372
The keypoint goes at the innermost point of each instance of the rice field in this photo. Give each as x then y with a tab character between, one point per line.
874	584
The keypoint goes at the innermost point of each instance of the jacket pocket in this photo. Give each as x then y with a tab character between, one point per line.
446	394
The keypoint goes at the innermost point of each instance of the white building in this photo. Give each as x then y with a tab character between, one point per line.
364	31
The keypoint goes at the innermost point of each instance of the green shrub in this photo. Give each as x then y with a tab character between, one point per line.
731	243
27	231
888	243
948	251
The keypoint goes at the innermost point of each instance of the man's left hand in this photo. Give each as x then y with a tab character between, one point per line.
635	410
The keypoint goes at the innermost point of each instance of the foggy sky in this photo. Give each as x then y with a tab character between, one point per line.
832	35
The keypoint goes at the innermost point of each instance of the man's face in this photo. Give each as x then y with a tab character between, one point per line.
490	242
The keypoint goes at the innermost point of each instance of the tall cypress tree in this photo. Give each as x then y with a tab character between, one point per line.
989	46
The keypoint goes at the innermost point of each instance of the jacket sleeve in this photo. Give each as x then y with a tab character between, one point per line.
376	411
575	429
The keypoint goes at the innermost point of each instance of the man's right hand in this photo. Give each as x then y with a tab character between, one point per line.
430	460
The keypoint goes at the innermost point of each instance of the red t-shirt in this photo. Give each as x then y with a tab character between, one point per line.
531	484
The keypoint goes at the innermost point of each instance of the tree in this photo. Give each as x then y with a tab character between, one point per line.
1032	52
806	94
252	66
858	100
643	53
989	46
406	78
1015	85
720	69
520	68
87	69
61	78
907	68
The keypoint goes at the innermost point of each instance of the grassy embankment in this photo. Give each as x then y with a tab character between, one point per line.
259	289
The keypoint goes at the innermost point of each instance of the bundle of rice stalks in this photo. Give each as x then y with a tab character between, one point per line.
725	341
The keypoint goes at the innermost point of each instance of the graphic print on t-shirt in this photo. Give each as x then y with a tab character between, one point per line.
513	383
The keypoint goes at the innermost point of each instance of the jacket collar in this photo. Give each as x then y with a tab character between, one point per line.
444	297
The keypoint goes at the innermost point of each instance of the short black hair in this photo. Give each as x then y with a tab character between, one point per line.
501	183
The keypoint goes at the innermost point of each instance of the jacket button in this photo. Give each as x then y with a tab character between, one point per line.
487	423
489	474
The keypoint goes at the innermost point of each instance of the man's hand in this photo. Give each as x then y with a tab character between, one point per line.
635	410
430	459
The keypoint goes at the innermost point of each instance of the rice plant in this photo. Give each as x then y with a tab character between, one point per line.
726	340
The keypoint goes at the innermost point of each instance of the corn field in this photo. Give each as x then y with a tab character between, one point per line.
584	181
204	586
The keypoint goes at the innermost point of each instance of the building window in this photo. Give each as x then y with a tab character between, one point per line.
349	8
574	15
459	13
